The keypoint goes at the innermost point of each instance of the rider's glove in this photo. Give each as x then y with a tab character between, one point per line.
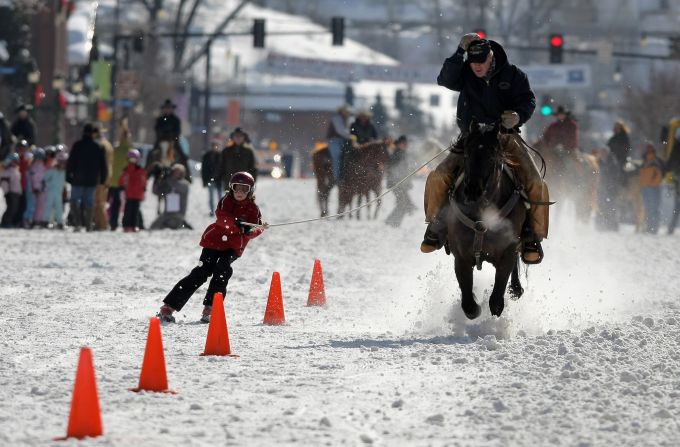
467	39
509	119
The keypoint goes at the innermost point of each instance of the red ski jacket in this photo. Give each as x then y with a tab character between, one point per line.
133	179
224	234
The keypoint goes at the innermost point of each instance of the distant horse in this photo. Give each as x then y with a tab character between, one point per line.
323	171
485	220
363	171
573	175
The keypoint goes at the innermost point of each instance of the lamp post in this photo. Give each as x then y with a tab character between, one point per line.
58	85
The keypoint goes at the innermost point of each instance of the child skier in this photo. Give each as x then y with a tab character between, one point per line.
223	242
133	180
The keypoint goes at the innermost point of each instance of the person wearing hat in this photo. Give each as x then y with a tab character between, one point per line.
237	156
492	90
561	132
86	168
23	127
168	126
363	128
338	136
175	189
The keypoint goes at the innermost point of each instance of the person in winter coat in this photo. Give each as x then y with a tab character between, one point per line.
619	143
118	164
23	127
210	166
339	138
101	194
55	180
492	90
23	149
363	128
36	176
223	243
175	189
238	156
397	169
609	188
651	176
168	126
10	182
562	132
133	181
86	168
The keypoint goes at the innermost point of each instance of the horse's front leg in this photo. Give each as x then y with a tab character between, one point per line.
504	267
464	276
516	290
378	202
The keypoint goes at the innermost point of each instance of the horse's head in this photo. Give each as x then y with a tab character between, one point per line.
482	159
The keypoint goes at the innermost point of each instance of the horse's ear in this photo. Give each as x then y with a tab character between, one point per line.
474	125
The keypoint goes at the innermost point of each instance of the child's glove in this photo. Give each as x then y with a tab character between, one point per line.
245	229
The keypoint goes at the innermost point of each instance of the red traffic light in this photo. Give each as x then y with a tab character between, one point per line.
481	33
556	40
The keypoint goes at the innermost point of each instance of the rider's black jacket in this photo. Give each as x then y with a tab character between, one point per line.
507	88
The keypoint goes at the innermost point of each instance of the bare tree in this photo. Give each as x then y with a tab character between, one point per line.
649	108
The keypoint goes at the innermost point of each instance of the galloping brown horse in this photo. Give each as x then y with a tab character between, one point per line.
573	175
363	171
323	171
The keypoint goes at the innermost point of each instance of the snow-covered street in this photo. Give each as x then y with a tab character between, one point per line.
588	356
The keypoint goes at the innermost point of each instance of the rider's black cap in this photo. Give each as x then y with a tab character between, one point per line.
478	51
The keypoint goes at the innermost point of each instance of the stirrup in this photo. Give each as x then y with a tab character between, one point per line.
532	247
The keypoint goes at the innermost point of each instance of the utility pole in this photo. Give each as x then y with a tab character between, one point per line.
206	105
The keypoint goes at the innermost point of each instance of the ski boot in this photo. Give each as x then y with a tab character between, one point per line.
205	318
165	314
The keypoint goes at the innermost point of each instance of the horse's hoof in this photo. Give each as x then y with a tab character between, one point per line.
496	308
471	310
516	292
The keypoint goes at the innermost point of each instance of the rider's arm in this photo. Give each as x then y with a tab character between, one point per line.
451	74
523	99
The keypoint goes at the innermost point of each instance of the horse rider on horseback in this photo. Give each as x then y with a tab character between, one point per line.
491	90
168	126
563	131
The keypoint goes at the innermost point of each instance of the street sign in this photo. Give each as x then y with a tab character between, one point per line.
558	76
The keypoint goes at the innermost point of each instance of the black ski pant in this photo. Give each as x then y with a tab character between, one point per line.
215	263
114	209
130	215
13	200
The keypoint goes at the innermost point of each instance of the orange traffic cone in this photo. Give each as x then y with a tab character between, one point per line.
85	418
153	376
274	313
217	342
317	293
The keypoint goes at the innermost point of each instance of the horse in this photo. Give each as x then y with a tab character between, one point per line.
573	175
323	171
363	171
484	220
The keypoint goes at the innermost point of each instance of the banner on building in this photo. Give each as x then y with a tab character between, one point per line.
101	79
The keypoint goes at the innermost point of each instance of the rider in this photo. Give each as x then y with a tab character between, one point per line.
563	131
491	90
168	126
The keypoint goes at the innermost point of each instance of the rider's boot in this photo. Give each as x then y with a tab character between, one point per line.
532	252
434	237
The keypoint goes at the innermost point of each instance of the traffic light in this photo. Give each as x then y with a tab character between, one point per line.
349	95
258	33
556	42
399	99
481	32
547	106
338	30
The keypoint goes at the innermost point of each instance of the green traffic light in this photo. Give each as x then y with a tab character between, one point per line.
546	110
